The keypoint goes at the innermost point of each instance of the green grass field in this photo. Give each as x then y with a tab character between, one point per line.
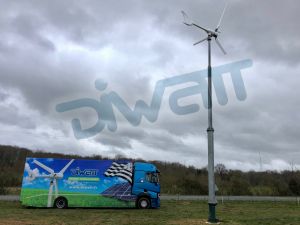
171	212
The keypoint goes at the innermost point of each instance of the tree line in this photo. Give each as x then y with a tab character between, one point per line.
175	178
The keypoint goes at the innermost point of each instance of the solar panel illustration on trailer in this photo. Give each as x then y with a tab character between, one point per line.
120	191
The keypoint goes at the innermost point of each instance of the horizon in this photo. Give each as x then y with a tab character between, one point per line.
292	168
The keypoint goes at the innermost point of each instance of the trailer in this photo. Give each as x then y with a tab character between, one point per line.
63	183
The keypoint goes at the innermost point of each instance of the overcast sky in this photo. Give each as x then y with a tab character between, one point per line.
53	51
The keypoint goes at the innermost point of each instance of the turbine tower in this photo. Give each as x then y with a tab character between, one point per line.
212	202
53	178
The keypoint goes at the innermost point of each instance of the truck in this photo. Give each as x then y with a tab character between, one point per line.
63	183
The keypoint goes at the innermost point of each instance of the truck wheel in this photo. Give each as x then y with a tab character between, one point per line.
61	203
143	203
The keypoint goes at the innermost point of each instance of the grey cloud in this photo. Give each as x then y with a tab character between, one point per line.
10	115
3	96
133	133
39	82
121	139
28	27
165	142
119	142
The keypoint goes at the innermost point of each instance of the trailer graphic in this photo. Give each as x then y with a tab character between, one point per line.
62	183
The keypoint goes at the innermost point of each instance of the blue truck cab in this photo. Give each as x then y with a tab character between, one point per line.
146	185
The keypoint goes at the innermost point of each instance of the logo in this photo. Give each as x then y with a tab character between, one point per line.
109	102
85	172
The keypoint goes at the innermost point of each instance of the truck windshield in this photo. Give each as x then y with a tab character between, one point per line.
152	177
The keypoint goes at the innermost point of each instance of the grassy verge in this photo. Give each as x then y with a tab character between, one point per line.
171	212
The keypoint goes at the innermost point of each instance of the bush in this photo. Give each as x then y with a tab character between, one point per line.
3	190
262	191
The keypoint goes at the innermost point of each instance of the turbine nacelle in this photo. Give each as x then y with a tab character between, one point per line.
58	175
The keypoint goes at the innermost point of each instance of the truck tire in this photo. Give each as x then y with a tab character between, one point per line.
143	203
61	203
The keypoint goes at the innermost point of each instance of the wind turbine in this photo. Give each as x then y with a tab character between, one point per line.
212	202
53	178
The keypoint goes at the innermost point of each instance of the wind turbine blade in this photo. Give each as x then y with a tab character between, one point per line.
221	18
220	46
44	176
186	20
43	166
202	28
49	204
200	41
66	167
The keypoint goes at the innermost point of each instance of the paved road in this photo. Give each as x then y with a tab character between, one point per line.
197	197
9	198
231	198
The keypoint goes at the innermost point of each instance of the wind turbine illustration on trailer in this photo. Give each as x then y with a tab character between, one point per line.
212	202
53	178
